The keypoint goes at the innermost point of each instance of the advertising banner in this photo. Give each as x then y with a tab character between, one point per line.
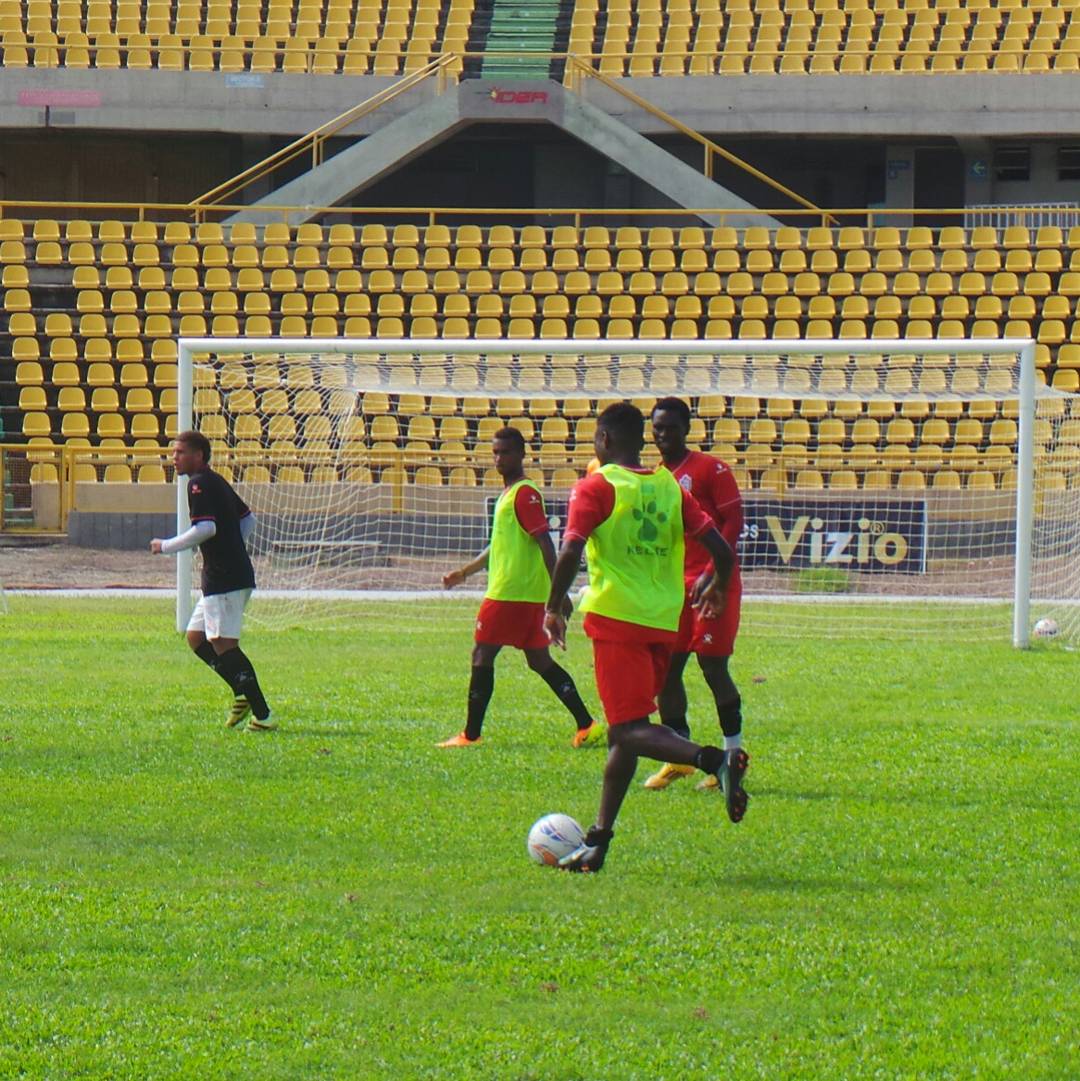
883	536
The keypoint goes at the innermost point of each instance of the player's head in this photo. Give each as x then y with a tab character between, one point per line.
620	434
670	426
508	450
190	453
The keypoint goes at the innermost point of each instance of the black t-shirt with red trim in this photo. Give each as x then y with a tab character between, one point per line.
226	565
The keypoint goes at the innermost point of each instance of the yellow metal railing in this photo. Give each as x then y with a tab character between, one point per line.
24	468
160	212
38	483
315	141
578	71
30	210
78	461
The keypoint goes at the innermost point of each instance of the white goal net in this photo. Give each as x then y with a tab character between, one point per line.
893	487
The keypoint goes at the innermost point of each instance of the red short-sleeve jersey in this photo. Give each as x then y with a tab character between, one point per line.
711	482
529	508
593	499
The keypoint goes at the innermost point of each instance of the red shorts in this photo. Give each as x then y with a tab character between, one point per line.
711	637
511	623
629	676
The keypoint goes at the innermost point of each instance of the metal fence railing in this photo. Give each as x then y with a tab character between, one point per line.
1032	215
39	482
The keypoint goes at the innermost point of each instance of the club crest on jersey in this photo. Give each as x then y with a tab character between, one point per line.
686	482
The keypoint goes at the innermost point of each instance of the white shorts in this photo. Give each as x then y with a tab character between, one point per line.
220	615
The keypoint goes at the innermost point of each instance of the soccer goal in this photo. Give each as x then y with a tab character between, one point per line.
901	487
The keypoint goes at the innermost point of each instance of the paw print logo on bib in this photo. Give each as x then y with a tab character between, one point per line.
649	517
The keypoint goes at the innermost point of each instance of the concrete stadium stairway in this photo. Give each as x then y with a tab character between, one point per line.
522	26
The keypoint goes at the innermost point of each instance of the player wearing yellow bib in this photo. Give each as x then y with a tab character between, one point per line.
633	523
519	559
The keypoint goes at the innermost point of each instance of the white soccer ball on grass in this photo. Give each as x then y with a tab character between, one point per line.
1046	628
553	837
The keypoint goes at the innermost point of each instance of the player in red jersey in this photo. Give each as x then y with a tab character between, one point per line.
634	523
712	638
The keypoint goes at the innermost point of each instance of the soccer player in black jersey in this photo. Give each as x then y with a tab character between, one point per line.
220	525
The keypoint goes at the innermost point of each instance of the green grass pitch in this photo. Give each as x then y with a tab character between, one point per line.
343	900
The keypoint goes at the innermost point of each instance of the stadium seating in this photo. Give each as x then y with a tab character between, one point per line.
821	37
221	35
646	38
90	331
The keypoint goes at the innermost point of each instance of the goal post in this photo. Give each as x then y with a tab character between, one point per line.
326	439
185	421
1025	496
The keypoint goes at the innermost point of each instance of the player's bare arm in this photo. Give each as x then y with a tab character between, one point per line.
712	595
457	577
562	578
547	550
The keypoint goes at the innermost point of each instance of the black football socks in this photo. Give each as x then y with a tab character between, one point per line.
206	654
730	714
481	686
234	667
562	683
209	657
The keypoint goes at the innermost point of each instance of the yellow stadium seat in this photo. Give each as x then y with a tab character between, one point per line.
843	479
947	479
33	398
911	479
75	425
809	480
117	473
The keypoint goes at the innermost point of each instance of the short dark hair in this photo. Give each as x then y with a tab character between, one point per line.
196	441
674	405
511	435
625	423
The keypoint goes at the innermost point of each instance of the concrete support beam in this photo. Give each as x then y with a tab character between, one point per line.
353	169
405	137
683	184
